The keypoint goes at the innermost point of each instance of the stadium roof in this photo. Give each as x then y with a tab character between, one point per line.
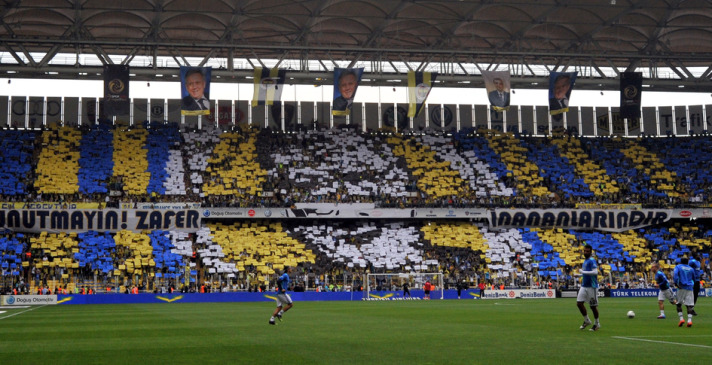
670	41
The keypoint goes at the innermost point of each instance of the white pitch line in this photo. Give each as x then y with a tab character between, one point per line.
666	342
667	336
14	314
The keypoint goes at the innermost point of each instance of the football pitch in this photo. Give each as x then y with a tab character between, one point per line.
392	332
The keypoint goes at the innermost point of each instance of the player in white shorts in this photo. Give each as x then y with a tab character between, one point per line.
683	276
665	292
589	289
284	301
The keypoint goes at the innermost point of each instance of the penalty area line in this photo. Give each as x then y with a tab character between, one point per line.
666	342
14	314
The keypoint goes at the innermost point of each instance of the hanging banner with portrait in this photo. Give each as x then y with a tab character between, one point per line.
498	89
116	90
346	82
631	92
195	90
268	86
419	86
561	84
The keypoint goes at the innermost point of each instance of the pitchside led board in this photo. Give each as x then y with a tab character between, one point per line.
195	90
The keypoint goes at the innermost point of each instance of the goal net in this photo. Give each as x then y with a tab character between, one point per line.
383	286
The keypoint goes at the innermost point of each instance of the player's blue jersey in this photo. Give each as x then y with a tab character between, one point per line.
684	276
590	281
695	265
662	280
283	282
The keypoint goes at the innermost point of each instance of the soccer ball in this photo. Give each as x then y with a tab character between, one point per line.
631	314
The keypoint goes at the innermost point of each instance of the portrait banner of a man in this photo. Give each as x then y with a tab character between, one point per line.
346	82
195	90
498	89
560	86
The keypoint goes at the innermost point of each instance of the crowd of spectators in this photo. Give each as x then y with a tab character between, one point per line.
343	165
346	251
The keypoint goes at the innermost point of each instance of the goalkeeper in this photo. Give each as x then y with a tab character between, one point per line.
284	301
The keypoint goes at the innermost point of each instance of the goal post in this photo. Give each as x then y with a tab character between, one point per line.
377	285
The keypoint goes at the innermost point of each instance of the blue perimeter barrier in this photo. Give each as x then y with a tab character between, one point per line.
117	298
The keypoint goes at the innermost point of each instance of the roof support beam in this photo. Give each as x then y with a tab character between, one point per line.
598	69
27	55
14	54
675	70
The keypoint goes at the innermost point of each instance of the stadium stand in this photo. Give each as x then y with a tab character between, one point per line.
15	162
687	160
592	173
528	180
435	178
95	162
559	175
248	167
336	165
58	163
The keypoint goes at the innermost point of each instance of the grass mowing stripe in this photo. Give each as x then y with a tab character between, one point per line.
434	332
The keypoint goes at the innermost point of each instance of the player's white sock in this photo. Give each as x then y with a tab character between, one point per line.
280	313
689	317
680	315
272	319
662	313
597	322
586	318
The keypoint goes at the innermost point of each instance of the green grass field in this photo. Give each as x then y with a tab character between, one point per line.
411	332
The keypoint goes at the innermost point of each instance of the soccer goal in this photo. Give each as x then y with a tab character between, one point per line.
376	284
